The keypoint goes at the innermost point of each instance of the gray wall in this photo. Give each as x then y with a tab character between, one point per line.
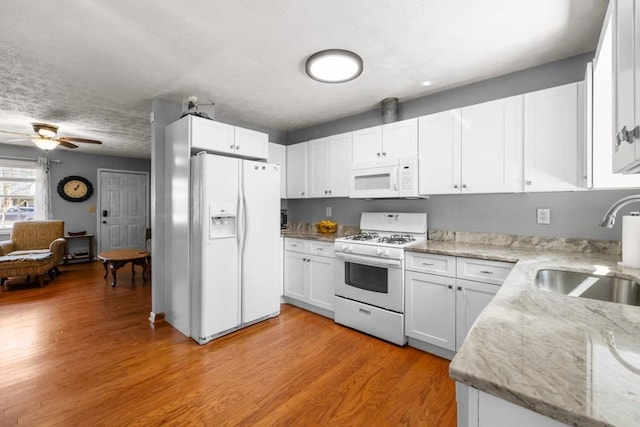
545	76
573	214
76	215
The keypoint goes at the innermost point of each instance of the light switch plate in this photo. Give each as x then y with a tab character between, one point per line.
543	216
328	211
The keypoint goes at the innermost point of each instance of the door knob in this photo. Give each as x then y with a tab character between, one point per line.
104	222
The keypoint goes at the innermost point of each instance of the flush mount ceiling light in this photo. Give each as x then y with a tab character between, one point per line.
334	66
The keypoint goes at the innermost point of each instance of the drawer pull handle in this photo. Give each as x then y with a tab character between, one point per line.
428	264
486	272
319	249
363	311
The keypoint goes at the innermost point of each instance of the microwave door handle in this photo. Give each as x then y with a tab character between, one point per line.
395	178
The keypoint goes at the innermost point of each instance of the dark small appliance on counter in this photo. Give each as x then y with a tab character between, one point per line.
283	219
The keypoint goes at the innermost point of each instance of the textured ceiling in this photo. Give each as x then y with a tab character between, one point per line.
92	67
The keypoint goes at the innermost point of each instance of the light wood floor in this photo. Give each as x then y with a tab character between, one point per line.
79	352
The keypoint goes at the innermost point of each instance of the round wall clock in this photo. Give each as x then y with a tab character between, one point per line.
75	188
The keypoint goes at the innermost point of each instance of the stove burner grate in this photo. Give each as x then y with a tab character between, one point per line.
397	239
364	235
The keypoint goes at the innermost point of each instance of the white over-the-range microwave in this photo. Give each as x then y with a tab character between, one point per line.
385	179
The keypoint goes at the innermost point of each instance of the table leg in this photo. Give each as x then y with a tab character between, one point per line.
114	266
105	264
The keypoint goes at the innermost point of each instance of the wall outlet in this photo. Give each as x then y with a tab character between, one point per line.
543	216
328	211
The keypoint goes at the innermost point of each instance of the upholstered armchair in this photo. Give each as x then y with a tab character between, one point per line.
35	248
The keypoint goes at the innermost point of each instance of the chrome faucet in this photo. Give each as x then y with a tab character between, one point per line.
610	217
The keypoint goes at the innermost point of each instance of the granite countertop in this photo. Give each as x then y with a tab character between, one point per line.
308	231
576	360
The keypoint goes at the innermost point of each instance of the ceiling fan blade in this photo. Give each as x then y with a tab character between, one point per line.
84	140
67	144
17	139
17	133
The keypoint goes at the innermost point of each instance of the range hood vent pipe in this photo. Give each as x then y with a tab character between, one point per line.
390	110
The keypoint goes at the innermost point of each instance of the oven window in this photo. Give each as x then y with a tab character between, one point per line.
374	279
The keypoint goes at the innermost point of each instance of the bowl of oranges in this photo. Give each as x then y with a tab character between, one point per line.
327	227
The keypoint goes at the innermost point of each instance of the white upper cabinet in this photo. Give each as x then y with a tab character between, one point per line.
475	149
278	155
328	166
216	137
439	153
492	146
250	143
319	161
602	113
400	139
341	164
297	171
551	139
389	141
367	144
626	143
211	136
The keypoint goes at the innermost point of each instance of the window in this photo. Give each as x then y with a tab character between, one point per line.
17	192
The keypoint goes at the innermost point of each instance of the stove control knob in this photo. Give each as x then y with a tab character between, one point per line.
378	251
344	247
386	252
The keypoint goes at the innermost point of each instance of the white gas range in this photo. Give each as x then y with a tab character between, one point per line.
370	273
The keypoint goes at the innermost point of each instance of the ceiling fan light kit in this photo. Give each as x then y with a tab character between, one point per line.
334	66
45	130
46	137
45	143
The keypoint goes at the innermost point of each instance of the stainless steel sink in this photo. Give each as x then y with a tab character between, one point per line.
584	285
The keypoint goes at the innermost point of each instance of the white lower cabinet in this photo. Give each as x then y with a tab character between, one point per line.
471	299
430	313
441	304
308	272
479	409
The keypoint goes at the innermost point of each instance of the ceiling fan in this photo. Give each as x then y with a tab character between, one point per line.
46	137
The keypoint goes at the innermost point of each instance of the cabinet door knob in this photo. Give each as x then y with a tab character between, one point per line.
325	192
464	185
528	182
303	193
237	147
384	154
459	288
304	260
450	286
455	185
378	154
329	191
231	146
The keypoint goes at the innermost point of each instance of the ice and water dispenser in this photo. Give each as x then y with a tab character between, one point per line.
222	221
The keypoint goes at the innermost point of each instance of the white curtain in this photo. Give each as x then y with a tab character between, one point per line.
43	190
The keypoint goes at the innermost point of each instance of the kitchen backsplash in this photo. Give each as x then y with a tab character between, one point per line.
612	247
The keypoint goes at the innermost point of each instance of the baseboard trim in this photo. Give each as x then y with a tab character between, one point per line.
156	318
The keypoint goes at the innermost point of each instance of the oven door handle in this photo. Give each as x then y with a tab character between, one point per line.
375	262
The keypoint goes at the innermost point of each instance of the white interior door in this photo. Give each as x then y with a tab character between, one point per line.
122	210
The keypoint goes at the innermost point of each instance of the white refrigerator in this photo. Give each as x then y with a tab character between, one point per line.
235	239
